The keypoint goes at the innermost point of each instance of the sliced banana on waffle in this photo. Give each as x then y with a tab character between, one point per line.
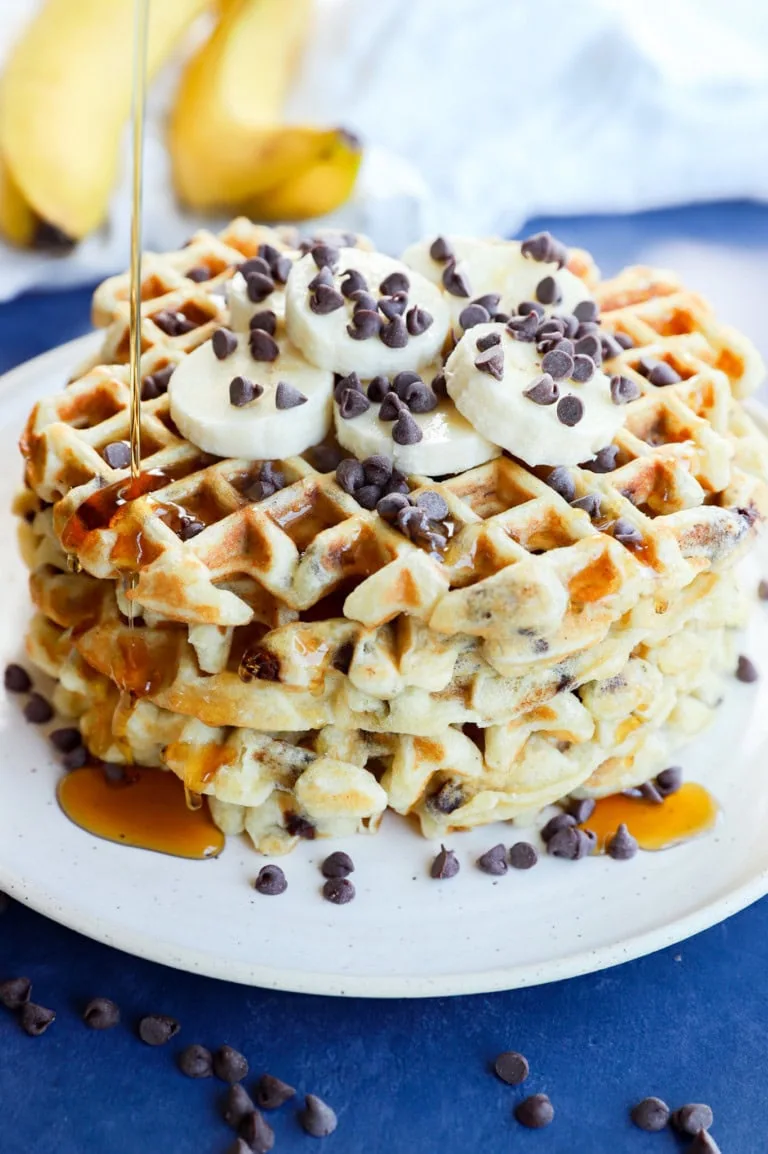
409	419
480	278
354	311
539	395
236	396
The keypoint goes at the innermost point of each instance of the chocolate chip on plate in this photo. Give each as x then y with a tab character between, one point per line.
570	842
446	865
317	1118
101	1014
229	1064
196	1061
494	861
271	1093
17	680
440	250
117	454
75	759
703	1143
157	1029
270	881
65	739
237	1105
522	856
542	390
337	865
512	1067
15	992
239	1146
651	1114
745	670
338	890
622	845
535	1112
257	1133
35	1020
288	396
556	823
669	780
38	711
224	343
692	1118
581	809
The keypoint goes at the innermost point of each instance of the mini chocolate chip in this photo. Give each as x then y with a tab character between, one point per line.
651	1114
558	363
663	374
17	680
492	362
590	503
397	483
258	286
337	865
271	1093
101	1014
263	345
548	291
338	890
561	481
604	461
571	325
570	410
609	347
242	391
482	344
270	881
391	505
157	1029
229	1064
237	1105
583	368
762	593
198	273
439	387
582	809
172	323
556	823
440	250
15	992
353	404
570	843
287	396
156	384
418	320
669	780
196	1061
433	504
523	328
472	315
368	496
351	381
365	324
239	1146
622	845
325	299
281	268
550	326
512	1067
363	302
396	282
589	346
624	390
65	740
692	1118
394	335
224	344
350	474
391	407
117	454
405	431
494	861
317	1118
489	301
745	670
542	390
253	265
38	711
586	311
393	306
703	1143
454	281
449	797
626	532
75	759
377	469
378	387
624	340
190	527
445	865
527	307
265	320
353	281
257	1133
320	279
649	791
35	1020
545	247
325	255
419	398
535	1112
403	381
522	856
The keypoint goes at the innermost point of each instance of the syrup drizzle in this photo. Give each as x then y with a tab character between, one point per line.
678	818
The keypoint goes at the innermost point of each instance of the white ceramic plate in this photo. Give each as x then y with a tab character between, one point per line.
405	935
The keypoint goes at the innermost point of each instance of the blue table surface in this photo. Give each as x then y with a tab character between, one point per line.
689	1023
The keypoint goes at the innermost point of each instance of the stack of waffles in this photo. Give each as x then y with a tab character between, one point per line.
306	666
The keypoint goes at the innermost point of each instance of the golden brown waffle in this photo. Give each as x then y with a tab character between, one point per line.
299	630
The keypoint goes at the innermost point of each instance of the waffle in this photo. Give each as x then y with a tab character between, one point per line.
306	665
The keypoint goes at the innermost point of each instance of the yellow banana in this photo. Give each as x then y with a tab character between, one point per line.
18	222
66	93
316	190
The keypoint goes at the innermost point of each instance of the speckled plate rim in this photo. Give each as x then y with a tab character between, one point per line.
62	361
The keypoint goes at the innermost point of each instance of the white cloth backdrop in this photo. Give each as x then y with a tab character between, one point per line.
480	113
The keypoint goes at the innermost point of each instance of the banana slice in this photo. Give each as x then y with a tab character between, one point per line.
434	442
467	269
354	311
547	403
241	407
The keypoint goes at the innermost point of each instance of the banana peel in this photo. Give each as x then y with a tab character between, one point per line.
66	94
316	190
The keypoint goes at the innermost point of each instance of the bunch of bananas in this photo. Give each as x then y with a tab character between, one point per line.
65	96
